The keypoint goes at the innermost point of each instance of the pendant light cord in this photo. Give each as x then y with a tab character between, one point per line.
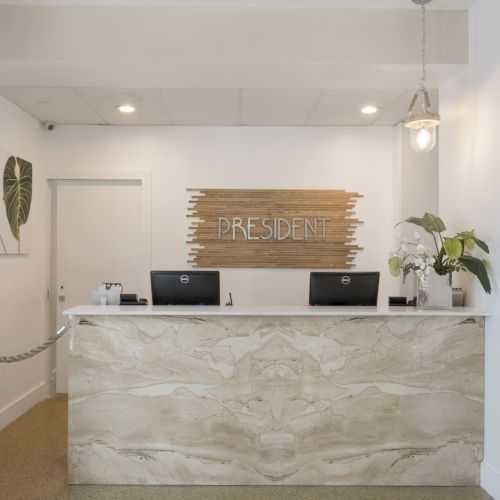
420	115
423	78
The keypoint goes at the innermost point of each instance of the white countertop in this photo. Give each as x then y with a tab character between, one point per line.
265	311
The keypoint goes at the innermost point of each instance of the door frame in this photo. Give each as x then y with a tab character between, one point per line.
63	174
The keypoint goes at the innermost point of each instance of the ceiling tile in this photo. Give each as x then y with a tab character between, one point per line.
150	108
277	106
343	107
265	107
203	106
60	105
397	111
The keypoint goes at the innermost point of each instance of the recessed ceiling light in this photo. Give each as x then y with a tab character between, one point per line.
125	108
369	110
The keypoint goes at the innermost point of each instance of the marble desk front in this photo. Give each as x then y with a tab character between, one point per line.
275	396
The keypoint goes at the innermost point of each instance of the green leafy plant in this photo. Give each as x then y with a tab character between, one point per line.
453	254
17	192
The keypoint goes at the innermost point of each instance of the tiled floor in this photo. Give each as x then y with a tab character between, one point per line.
33	466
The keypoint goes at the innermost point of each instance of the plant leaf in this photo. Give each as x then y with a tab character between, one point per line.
482	245
17	191
465	234
395	264
431	223
469	243
471	235
419	222
434	223
453	248
477	267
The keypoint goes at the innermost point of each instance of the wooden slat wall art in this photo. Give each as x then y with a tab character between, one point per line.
270	228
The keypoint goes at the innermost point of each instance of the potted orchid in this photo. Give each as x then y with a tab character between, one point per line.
433	267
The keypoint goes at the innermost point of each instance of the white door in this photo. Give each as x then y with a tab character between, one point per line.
98	238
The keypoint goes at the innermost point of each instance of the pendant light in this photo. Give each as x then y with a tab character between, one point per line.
421	121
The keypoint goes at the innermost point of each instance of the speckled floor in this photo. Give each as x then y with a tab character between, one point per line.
33	466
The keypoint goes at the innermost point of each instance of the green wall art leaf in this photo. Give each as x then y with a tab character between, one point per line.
17	193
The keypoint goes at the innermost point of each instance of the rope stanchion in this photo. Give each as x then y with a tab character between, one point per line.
36	350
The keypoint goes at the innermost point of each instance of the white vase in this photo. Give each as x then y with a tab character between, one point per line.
435	292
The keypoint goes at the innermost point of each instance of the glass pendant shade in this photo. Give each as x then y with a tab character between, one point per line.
423	124
423	139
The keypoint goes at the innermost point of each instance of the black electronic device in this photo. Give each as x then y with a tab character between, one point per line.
398	301
343	289
185	288
130	299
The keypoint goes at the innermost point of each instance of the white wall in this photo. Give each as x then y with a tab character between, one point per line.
358	159
417	191
24	312
367	160
470	191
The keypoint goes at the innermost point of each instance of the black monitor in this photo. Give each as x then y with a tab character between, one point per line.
343	289
185	288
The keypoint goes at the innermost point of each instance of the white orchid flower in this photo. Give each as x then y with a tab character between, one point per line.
420	263
404	247
421	248
417	235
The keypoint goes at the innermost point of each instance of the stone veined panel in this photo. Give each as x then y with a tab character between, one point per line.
276	400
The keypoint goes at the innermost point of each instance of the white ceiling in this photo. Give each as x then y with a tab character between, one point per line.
224	66
351	4
265	107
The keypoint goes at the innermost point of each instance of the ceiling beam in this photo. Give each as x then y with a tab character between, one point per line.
225	35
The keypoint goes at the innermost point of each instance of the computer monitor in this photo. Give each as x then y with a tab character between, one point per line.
185	288
343	289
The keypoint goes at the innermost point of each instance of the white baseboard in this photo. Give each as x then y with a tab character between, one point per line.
490	480
22	404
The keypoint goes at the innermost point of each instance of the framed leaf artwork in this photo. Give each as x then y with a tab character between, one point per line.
17	191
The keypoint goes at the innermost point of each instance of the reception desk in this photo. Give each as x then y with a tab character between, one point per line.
275	396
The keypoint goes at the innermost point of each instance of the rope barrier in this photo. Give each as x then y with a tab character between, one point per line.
36	350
